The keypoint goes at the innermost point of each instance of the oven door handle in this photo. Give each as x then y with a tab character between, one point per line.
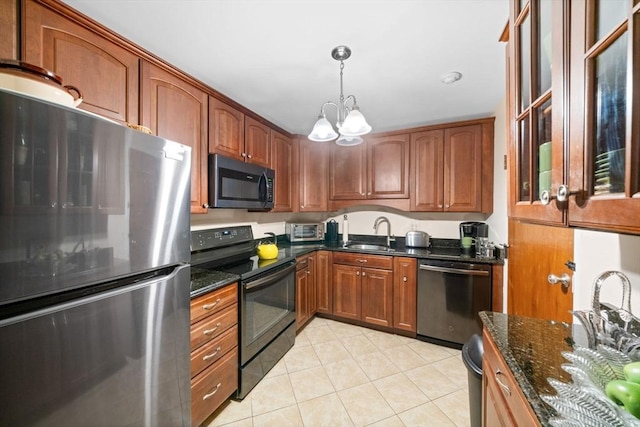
258	284
454	270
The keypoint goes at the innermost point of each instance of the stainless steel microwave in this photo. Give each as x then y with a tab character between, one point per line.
236	184
308	232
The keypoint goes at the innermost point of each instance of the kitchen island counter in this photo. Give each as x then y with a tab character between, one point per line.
532	350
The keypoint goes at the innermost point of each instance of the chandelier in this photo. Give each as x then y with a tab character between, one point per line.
351	123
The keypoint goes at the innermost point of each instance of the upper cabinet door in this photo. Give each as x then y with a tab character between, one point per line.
174	109
282	162
463	169
427	185
226	129
313	175
257	140
605	118
105	73
537	94
388	167
348	176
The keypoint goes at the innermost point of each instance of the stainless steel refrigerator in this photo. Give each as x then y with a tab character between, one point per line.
94	273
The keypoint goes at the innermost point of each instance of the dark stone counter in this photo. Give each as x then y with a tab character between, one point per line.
203	281
532	349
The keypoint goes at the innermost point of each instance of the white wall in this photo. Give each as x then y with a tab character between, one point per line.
596	252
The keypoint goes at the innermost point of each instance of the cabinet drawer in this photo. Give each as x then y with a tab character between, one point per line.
213	326
207	354
213	386
376	261
213	302
508	395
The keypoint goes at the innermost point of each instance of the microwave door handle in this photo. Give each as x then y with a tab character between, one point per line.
264	188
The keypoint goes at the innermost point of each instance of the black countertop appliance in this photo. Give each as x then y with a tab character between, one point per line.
473	229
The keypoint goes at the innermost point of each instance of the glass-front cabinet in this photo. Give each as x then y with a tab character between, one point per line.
537	96
605	118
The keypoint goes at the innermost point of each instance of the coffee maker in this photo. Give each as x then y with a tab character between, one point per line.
473	229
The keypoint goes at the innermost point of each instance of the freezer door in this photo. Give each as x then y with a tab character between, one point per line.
119	358
84	199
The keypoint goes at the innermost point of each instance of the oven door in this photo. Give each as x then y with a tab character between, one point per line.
267	308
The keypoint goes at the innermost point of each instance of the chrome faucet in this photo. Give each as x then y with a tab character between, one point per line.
377	223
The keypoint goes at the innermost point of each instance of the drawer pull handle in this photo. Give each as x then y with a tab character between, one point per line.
362	260
210	306
505	387
208	395
210	331
211	356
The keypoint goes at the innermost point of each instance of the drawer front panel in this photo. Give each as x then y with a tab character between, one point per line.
213	386
212	326
375	261
212	302
207	354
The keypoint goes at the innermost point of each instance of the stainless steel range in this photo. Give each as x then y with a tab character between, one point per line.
266	297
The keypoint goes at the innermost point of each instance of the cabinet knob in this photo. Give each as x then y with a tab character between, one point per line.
439	206
364	274
564	280
404	278
357	273
205	205
308	272
53	205
244	154
362	260
362	194
563	195
369	193
248	156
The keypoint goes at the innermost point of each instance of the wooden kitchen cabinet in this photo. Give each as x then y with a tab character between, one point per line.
214	351
599	166
452	168
604	150
537	100
282	159
377	170
363	293
313	176
305	290
9	18
85	55
226	129
236	135
503	403
257	139
324	277
405	272
174	109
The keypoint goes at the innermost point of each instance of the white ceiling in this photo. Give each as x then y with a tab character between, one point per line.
274	57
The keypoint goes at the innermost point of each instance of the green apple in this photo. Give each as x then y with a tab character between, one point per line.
625	393
632	372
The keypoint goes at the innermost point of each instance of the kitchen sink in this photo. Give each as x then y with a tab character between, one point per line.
367	247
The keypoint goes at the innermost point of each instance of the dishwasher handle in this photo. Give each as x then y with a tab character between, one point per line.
454	270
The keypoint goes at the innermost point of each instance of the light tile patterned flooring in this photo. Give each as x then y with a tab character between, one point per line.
344	375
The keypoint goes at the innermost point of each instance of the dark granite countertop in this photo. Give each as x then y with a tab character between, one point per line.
203	281
532	349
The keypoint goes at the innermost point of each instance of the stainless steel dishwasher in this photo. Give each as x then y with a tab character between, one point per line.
450	295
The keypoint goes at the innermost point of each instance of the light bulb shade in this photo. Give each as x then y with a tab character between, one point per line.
355	124
348	141
322	131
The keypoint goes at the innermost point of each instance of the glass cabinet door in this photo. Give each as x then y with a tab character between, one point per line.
537	92
605	149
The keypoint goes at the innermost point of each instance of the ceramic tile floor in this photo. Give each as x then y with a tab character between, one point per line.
343	375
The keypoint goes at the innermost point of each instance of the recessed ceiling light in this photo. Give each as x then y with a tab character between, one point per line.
451	77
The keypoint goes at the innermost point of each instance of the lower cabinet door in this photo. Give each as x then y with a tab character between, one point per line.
211	387
346	291
377	296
